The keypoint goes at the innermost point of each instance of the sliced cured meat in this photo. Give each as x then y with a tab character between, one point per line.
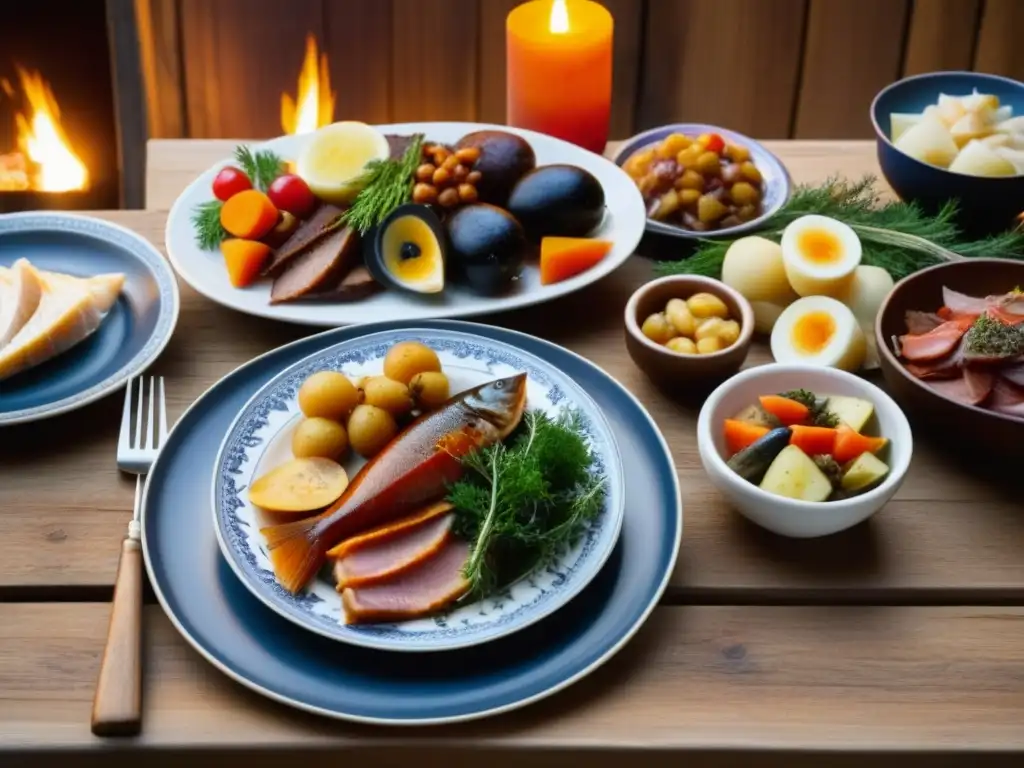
962	304
420	591
1014	374
921	322
309	231
388	557
318	268
947	367
1007	398
1003	315
979	383
358	284
390	530
935	344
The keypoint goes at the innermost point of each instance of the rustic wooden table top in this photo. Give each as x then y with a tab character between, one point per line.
901	637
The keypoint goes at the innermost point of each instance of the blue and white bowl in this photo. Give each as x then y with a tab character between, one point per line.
260	439
777	184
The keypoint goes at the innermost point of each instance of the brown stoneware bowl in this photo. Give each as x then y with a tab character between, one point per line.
927	408
676	371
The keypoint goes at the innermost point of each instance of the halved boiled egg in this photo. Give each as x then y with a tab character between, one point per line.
818	330
408	250
820	255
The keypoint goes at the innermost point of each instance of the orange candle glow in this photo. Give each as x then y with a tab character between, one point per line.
559	56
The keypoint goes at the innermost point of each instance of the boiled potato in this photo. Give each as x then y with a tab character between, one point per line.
393	396
929	141
429	389
318	436
407	358
976	159
795	475
707	305
370	428
710	327
682	345
729	332
328	394
680	317
657	328
708	345
300	485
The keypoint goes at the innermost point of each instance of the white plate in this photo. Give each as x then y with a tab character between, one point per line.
260	439
204	270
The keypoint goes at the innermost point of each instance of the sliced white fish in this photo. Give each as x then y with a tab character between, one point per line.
20	292
70	309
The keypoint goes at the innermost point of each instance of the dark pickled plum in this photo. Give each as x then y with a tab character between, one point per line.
487	247
504	159
557	200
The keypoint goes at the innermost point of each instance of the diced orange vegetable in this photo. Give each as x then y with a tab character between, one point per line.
244	259
787	411
740	434
851	444
563	257
813	440
249	215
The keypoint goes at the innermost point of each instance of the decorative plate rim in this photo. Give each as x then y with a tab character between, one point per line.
297	313
136	246
593	563
610	651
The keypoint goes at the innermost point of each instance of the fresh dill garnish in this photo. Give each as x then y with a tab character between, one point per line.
206	222
821	416
385	185
525	501
829	467
988	337
897	236
262	166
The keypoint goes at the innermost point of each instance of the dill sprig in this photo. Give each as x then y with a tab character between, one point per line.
262	166
897	236
821	416
989	337
207	226
526	501
385	185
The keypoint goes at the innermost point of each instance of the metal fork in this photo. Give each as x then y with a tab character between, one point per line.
117	705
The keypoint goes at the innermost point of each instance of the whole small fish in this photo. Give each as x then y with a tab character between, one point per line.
413	469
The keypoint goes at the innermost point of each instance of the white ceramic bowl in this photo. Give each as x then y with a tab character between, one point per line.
792	517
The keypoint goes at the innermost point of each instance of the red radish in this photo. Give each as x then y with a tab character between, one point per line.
229	182
290	193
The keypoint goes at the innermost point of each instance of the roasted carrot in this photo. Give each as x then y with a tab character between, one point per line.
249	215
740	434
851	444
787	411
813	440
244	259
564	257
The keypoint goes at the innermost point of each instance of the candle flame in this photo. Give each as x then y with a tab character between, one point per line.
313	105
559	21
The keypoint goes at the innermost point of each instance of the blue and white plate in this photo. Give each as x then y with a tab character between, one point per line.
260	439
132	335
257	648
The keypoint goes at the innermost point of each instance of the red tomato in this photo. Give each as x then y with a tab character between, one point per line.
229	182
290	193
715	143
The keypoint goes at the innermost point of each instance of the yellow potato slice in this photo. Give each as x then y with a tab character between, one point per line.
299	485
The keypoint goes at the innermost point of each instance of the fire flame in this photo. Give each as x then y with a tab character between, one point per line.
558	24
42	140
314	106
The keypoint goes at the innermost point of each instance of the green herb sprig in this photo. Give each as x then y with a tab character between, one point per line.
526	501
988	337
262	166
899	237
207	226
821	416
386	184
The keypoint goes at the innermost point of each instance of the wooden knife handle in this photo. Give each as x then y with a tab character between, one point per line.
117	706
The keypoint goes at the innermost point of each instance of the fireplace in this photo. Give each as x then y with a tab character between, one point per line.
59	143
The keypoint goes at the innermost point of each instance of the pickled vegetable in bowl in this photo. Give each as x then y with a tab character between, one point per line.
699	183
971	134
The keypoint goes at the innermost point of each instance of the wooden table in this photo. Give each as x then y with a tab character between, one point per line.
902	638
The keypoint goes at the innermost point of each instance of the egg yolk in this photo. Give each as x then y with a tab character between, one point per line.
820	246
812	332
412	252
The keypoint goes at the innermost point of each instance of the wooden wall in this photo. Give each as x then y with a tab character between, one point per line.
771	68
